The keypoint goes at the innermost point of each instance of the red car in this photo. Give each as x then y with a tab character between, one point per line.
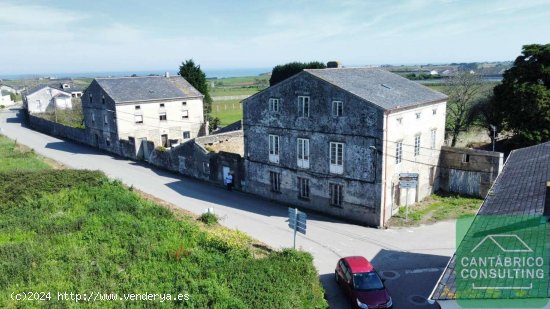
361	283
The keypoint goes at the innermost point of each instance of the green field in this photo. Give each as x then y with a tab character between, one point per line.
228	111
76	231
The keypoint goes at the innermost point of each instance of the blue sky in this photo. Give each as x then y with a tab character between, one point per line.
119	35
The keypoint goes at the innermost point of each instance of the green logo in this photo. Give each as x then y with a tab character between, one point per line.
502	261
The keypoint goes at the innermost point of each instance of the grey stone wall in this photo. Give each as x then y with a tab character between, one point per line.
57	129
486	164
103	135
359	128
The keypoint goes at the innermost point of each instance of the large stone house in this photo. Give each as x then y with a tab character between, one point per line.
46	99
336	140
159	109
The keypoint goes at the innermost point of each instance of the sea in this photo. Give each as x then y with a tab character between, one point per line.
213	73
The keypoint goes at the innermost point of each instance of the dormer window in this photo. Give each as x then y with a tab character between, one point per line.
66	86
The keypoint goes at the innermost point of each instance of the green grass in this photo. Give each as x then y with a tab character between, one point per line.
216	92
14	157
437	207
228	111
76	231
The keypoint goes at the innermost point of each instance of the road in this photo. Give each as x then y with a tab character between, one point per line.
410	259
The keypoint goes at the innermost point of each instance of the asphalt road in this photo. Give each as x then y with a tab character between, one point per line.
410	259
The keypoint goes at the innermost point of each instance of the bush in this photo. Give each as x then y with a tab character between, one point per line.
208	218
160	149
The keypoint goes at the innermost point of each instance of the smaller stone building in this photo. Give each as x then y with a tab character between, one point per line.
147	112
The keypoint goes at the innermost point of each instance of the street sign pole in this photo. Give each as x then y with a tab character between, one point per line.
407	205
297	221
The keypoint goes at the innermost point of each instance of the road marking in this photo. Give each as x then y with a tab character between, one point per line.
422	270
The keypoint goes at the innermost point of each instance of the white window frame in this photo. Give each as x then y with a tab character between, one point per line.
163	114
274	148
138	119
93	117
275	181
185	114
336	194
336	157
417	140
303	188
337	108
188	133
398	152
274	104
303	105
105	119
433	135
302	152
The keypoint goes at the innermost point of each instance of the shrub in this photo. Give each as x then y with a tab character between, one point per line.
160	149
208	218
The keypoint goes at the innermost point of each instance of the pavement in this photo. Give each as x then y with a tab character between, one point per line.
409	259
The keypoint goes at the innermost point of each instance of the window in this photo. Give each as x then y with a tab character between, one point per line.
303	153
434	111
164	140
137	107
432	175
433	134
185	114
186	135
336	194
93	118
275	181
337	108
398	152
184	104
102	99
161	104
90	97
107	141
273	105
274	148
303	188
303	106
399	120
417	115
138	118
206	167
105	119
465	158
417	145
162	116
336	158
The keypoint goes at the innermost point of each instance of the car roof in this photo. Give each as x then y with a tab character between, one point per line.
359	264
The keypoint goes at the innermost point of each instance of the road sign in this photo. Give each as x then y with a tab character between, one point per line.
297	221
407	181
407	184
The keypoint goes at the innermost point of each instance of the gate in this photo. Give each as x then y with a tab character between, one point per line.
464	182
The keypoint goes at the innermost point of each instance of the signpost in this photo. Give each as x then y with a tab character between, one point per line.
407	181
297	222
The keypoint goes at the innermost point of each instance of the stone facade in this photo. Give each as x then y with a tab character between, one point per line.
353	188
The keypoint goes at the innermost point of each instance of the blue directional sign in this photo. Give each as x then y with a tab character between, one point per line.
297	221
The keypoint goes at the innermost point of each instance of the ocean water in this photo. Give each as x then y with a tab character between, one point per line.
213	73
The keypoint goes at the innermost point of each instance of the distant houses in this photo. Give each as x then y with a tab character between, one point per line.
162	110
336	141
52	95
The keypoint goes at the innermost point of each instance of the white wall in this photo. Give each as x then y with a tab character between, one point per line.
406	131
152	127
42	100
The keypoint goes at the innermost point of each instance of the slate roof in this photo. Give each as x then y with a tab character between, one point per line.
380	87
132	89
56	84
520	189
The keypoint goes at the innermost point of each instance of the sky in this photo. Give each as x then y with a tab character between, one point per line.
123	35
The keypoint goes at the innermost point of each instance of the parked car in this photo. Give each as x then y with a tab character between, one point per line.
361	283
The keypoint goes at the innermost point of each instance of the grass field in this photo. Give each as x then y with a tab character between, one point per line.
77	231
228	111
14	157
437	207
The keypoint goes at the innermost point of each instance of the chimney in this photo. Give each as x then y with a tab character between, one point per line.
333	65
167	74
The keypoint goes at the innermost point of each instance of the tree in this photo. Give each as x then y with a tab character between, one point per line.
284	71
463	90
485	113
524	95
196	77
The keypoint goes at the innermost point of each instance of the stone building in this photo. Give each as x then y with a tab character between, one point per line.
147	111
335	141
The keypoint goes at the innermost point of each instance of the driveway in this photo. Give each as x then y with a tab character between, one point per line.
410	259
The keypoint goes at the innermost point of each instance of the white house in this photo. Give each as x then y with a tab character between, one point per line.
160	109
46	99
